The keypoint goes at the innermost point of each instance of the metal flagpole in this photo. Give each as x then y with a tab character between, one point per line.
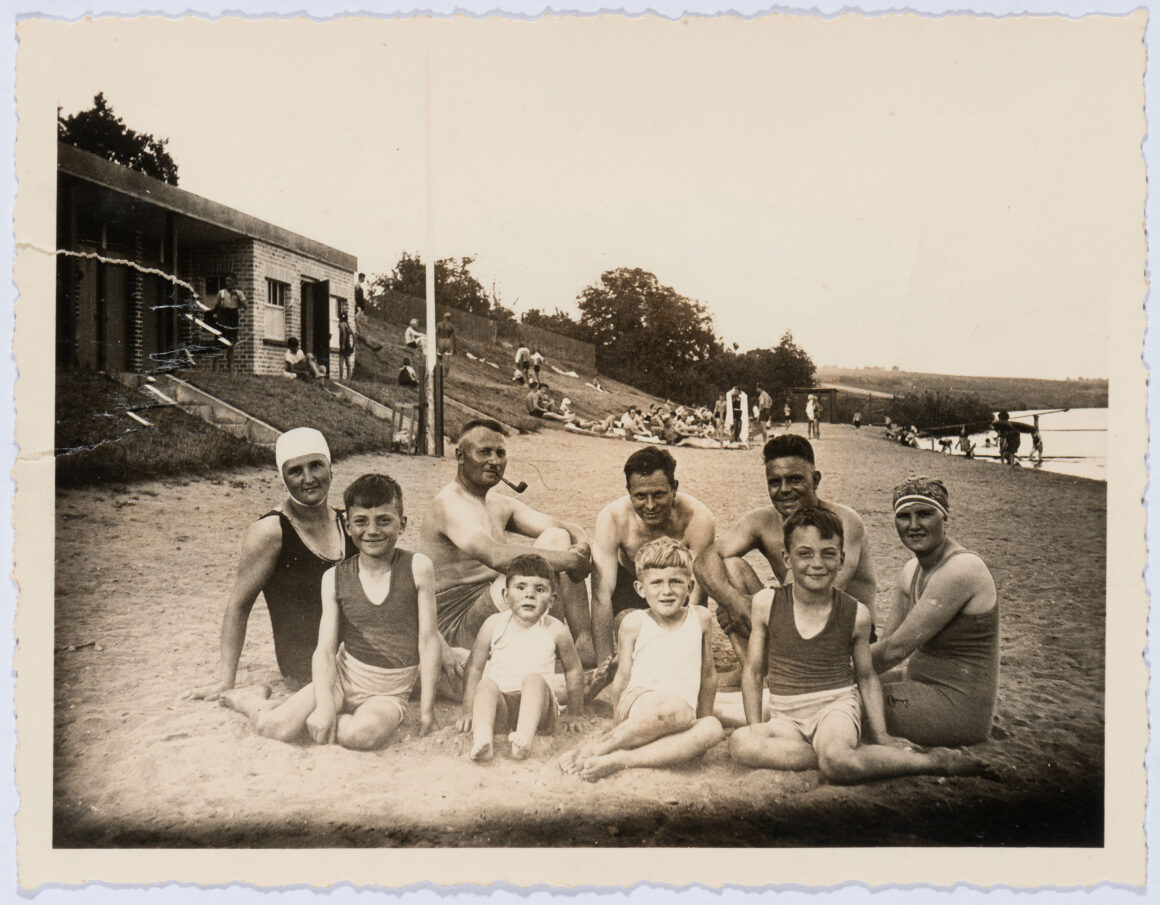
429	439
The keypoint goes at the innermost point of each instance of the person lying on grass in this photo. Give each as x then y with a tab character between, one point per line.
665	682
814	640
513	661
377	635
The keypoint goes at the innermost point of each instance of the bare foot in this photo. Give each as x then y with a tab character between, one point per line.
596	680
246	701
956	763
574	759
481	752
521	748
598	766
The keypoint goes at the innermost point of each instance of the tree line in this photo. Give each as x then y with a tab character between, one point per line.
645	333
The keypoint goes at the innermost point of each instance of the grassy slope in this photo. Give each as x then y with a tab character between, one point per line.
996	392
96	442
478	384
286	404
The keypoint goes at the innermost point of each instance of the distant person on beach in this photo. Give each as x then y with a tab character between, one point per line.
764	412
788	412
466	532
857	420
377	636
965	444
665	681
944	624
1009	439
283	557
537	361
792	482
737	415
445	344
509	673
813	426
652	508
407	376
413	337
811	642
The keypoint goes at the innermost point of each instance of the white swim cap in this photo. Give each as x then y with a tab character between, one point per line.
301	441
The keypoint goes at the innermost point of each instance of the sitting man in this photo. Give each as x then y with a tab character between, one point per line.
652	508
300	364
407	375
466	532
792	482
413	337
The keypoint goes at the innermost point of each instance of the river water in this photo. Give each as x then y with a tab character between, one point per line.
1075	442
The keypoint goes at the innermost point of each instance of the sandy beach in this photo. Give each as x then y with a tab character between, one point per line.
143	571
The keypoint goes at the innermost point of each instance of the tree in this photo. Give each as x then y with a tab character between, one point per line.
557	322
100	131
455	286
648	334
787	366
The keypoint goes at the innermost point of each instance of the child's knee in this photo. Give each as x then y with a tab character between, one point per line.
741	745
837	767
711	727
677	716
532	684
366	736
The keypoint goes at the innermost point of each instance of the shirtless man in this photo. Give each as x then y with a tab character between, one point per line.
653	508
793	482
466	531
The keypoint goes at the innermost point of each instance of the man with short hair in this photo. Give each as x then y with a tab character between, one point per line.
764	412
466	532
445	344
652	508
792	482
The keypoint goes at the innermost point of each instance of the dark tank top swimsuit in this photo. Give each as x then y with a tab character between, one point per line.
294	598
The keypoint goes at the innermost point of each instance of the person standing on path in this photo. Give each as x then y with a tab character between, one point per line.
231	302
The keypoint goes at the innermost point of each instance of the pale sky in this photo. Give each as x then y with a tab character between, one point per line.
954	195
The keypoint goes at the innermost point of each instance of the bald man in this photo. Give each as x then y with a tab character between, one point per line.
466	534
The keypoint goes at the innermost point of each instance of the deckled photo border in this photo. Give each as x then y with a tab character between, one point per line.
40	865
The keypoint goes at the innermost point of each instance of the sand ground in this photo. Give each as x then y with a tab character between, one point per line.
143	571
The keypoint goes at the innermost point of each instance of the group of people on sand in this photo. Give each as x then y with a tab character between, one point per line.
493	609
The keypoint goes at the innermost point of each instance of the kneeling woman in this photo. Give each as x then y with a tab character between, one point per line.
945	619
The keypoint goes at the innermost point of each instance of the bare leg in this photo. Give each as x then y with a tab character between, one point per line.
284	721
729	708
248	701
773	746
534	697
574	597
678	748
653	715
371	725
483	710
842	761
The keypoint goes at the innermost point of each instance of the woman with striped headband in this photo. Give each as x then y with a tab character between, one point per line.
944	623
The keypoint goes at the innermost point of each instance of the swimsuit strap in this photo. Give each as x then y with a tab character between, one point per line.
918	571
338	520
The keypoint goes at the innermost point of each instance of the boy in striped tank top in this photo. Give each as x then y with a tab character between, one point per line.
665	681
812	642
377	635
513	662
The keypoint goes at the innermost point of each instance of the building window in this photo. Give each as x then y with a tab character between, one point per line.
277	296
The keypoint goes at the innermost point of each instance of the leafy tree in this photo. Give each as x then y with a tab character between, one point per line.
786	366
648	334
557	322
100	131
455	285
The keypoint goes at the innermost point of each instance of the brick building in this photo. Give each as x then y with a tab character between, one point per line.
139	250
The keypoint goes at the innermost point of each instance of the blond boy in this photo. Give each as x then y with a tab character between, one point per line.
665	682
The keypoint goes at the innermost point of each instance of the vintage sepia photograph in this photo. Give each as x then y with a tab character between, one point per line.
717	436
